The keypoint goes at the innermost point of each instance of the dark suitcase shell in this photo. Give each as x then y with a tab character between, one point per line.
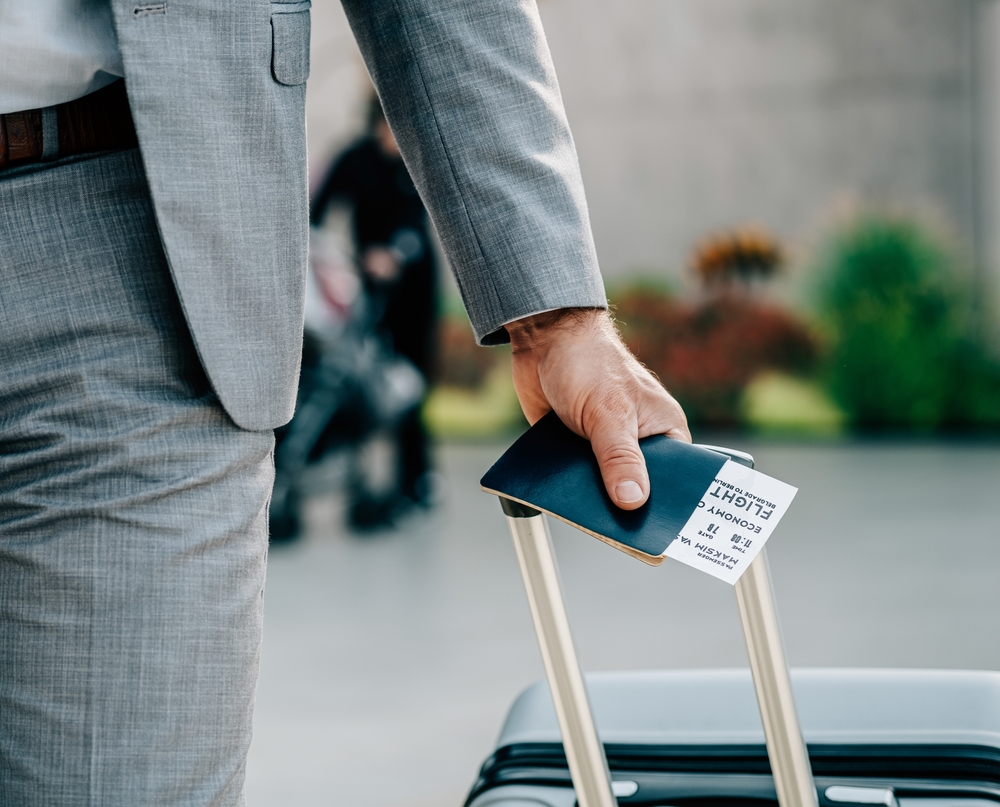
900	738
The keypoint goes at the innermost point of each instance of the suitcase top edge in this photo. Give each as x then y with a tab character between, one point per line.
718	707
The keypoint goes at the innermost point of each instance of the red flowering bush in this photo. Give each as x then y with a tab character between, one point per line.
707	353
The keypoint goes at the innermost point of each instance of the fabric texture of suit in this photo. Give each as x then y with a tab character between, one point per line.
218	96
133	512
151	324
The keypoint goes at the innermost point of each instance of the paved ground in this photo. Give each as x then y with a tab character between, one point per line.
389	662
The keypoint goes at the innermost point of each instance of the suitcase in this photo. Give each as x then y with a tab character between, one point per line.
693	738
696	738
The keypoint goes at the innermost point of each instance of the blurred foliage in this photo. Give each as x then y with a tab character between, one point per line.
901	353
739	255
463	363
489	410
778	404
706	353
474	396
896	353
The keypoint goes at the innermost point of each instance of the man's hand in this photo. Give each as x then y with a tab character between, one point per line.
573	361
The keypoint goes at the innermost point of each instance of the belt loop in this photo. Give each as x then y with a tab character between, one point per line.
50	133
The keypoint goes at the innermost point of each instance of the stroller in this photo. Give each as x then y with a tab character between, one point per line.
351	387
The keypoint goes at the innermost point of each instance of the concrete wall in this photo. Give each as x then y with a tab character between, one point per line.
691	115
696	114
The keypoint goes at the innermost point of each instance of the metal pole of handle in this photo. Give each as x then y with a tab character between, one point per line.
786	749
587	764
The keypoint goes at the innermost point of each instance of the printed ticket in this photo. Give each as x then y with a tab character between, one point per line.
733	521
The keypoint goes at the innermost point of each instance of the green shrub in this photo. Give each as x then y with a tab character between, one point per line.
975	403
900	354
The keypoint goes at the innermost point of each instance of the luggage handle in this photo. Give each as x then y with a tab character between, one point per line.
588	765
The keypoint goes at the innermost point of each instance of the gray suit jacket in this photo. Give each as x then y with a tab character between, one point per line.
217	89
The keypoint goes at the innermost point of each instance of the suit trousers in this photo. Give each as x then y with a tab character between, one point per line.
133	511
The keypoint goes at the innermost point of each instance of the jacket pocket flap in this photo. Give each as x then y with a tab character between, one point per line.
290	45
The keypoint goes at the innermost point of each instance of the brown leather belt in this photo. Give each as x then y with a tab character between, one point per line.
100	121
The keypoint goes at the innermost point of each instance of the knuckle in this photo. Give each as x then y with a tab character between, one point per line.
620	456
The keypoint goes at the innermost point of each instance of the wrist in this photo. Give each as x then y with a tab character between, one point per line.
538	330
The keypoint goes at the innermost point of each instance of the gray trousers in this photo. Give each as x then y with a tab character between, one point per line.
133	512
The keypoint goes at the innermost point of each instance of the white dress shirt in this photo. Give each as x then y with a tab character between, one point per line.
52	51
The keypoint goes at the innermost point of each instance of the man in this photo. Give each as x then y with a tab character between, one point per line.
150	322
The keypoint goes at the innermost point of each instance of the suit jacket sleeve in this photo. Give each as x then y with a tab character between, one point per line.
470	92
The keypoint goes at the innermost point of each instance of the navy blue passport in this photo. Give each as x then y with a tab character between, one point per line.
553	470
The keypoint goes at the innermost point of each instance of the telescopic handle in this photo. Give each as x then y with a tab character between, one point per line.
587	764
793	779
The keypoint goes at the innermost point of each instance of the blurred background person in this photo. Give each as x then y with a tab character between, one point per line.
396	261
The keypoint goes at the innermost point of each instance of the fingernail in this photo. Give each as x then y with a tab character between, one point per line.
628	491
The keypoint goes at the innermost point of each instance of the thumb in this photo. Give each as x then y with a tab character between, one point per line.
623	467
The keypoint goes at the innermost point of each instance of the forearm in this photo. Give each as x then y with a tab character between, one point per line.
472	98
